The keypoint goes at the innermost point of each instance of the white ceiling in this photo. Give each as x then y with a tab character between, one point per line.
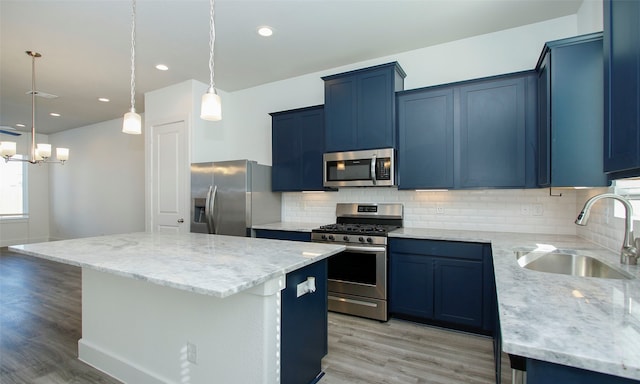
85	45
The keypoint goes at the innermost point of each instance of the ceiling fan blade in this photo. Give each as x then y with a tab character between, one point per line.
12	133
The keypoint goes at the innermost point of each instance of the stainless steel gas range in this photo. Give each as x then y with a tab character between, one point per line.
358	276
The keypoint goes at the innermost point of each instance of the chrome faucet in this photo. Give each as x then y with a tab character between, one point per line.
629	251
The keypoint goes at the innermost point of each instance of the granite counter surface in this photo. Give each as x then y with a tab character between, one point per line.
289	226
588	323
207	264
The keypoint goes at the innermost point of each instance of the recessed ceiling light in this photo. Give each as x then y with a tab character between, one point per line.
103	99
265	31
20	125
162	67
54	114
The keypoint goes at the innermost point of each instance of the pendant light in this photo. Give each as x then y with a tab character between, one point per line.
211	108
42	152
132	123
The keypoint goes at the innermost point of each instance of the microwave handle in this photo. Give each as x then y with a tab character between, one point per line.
373	169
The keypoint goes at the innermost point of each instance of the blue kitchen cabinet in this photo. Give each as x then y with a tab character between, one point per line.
304	326
441	282
411	289
622	88
474	134
454	280
297	145
571	113
425	138
360	108
283	235
542	372
497	132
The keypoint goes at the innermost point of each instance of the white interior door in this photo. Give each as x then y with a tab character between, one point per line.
170	167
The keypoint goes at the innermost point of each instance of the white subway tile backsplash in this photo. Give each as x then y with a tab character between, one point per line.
491	210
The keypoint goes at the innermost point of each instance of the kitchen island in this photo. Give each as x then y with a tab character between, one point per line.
193	308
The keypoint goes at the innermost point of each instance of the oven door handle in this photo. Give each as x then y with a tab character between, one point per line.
365	249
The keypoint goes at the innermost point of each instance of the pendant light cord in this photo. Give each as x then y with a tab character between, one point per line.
33	106
133	55
212	38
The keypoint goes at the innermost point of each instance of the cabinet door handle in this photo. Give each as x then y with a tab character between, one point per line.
180	221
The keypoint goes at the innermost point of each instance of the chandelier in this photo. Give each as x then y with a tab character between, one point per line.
40	153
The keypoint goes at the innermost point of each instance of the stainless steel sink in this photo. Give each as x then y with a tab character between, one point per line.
574	264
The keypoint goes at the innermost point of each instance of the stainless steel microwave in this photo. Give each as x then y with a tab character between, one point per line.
368	168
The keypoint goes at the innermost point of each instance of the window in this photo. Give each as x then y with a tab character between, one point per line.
629	188
13	189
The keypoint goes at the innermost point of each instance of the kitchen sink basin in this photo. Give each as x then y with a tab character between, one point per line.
574	264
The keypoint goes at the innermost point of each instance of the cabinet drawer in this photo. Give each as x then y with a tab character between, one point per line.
440	248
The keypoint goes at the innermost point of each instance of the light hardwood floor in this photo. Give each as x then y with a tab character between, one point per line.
40	325
368	351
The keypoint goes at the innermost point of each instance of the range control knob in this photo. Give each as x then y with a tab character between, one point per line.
324	237
331	237
369	240
345	238
361	239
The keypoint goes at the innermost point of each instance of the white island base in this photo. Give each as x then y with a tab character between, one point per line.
139	332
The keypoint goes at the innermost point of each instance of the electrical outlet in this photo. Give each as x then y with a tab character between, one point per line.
538	210
525	210
192	353
439	209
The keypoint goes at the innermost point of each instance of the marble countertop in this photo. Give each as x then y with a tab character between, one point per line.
207	264
290	226
588	323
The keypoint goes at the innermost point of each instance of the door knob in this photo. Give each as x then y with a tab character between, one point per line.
180	221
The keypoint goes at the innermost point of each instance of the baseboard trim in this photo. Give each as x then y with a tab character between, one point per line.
116	366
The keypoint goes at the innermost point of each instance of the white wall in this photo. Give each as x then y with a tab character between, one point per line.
100	190
35	228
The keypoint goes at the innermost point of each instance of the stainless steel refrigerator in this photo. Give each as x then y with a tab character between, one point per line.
229	197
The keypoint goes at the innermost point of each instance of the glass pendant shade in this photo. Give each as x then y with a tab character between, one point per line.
211	108
44	150
7	148
62	154
132	123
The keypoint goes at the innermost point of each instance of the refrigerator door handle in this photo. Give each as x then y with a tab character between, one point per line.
208	209
212	217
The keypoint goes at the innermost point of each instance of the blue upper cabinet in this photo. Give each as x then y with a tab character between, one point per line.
622	88
425	139
497	132
473	134
296	148
360	108
571	113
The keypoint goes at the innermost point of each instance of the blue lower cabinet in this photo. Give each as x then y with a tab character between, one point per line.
542	372
282	235
455	283
304	326
442	282
411	291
